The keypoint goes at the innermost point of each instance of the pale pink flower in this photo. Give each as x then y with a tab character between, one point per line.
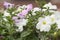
22	14
8	5
29	7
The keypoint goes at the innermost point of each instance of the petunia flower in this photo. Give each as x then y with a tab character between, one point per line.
25	11
22	14
8	5
58	24
35	10
50	6
16	19
57	15
43	25
29	7
19	23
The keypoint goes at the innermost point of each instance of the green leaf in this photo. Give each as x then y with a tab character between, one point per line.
32	36
26	33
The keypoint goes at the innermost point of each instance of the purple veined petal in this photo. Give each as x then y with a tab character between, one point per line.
23	14
7	5
29	7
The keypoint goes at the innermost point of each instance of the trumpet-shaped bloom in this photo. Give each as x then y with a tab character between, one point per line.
53	19
29	7
20	23
43	25
50	6
25	11
8	5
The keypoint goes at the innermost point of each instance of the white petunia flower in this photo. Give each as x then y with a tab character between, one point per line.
6	13
21	23
47	18
46	28
58	24
35	9
53	19
43	25
50	6
57	14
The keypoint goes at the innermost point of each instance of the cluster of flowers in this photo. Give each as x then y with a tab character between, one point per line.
20	18
22	15
44	23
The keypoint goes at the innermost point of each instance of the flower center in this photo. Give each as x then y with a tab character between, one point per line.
52	19
44	22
